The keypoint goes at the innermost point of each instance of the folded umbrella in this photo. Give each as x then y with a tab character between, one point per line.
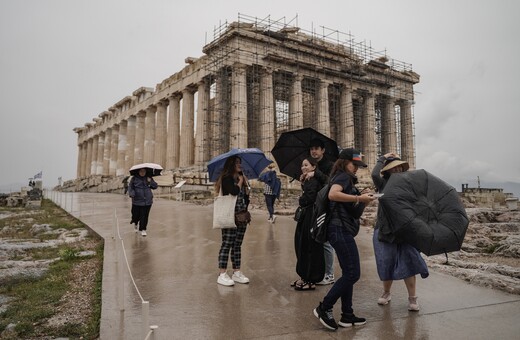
253	162
152	169
425	212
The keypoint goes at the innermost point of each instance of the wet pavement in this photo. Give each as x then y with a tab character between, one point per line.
175	270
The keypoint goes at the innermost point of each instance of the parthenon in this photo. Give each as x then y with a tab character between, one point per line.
256	79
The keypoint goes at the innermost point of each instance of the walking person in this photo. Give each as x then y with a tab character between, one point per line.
140	190
233	182
310	263
395	260
322	172
346	206
272	187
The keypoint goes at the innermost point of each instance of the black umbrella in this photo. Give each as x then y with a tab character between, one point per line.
424	211
293	147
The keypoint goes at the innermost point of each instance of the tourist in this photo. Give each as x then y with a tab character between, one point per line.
395	260
140	190
310	263
232	182
272	186
346	206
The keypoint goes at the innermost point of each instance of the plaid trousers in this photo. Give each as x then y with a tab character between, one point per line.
231	241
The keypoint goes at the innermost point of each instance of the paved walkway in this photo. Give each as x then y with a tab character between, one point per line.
175	269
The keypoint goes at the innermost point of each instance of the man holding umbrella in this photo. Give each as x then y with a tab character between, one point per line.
317	151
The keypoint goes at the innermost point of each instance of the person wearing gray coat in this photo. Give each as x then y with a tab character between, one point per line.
140	190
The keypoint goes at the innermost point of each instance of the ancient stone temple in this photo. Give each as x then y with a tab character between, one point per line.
255	80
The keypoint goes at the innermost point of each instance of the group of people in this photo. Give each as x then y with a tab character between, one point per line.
315	261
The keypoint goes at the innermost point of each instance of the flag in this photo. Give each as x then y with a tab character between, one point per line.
38	175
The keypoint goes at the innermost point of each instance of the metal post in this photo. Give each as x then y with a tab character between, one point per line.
146	316
121	276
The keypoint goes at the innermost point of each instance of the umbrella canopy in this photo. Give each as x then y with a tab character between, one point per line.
253	162
293	147
424	211
152	169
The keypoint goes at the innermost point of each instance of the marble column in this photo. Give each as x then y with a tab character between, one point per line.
201	136
346	114
106	151
323	123
160	134
88	163
296	104
139	137
149	135
217	122
407	138
121	148
173	137
267	114
93	166
238	133
369	149
130	143
187	141
100	154
389	137
83	152
113	150
78	163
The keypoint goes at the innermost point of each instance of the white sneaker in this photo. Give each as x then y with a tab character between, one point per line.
143	232
327	280
225	280
239	277
273	218
413	306
384	299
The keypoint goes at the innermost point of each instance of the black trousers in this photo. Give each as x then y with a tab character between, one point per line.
140	215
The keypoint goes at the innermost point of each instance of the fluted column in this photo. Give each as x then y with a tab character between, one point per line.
188	120
160	134
369	139
88	164
130	143
149	134
106	151
113	150
93	164
201	135
407	138
139	137
83	152
121	148
267	118
78	163
173	137
323	109
346	114
100	154
389	127
238	133
217	121
296	104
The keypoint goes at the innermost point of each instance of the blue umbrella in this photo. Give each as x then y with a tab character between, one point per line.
253	162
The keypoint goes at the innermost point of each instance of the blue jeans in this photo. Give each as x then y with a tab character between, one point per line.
348	256
329	259
269	201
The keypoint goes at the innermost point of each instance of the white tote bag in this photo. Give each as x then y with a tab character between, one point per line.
224	211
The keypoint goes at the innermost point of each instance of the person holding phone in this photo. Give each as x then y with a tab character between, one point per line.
395	260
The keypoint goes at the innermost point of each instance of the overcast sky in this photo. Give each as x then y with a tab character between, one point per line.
63	62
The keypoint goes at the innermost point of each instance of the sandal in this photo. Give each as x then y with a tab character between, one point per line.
305	286
296	282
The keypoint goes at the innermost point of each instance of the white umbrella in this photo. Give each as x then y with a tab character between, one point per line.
152	169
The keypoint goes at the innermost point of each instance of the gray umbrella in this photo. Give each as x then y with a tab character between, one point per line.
424	211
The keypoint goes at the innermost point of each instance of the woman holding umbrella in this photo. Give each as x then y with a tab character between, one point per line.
232	182
140	190
394	260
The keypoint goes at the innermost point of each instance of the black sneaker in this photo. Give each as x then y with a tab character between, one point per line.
349	320
326	317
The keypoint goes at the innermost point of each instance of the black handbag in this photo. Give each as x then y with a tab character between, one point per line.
298	214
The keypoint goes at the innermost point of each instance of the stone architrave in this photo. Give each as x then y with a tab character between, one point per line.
267	114
113	150
389	137
121	148
346	113
149	135
95	145
369	146
130	143
173	137
238	133
160	134
106	151
139	137
407	138
101	152
187	140
323	123
201	133
296	104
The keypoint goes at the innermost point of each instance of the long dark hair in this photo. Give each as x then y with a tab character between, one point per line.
228	170
340	164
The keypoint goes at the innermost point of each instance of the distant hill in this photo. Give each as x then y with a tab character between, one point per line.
13	187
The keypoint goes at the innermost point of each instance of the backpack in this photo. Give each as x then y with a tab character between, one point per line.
321	215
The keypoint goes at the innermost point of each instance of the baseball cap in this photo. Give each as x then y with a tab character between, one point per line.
352	155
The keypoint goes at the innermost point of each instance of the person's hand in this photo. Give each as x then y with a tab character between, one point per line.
149	179
366	198
391	155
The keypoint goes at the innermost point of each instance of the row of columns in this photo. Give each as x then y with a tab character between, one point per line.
155	134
